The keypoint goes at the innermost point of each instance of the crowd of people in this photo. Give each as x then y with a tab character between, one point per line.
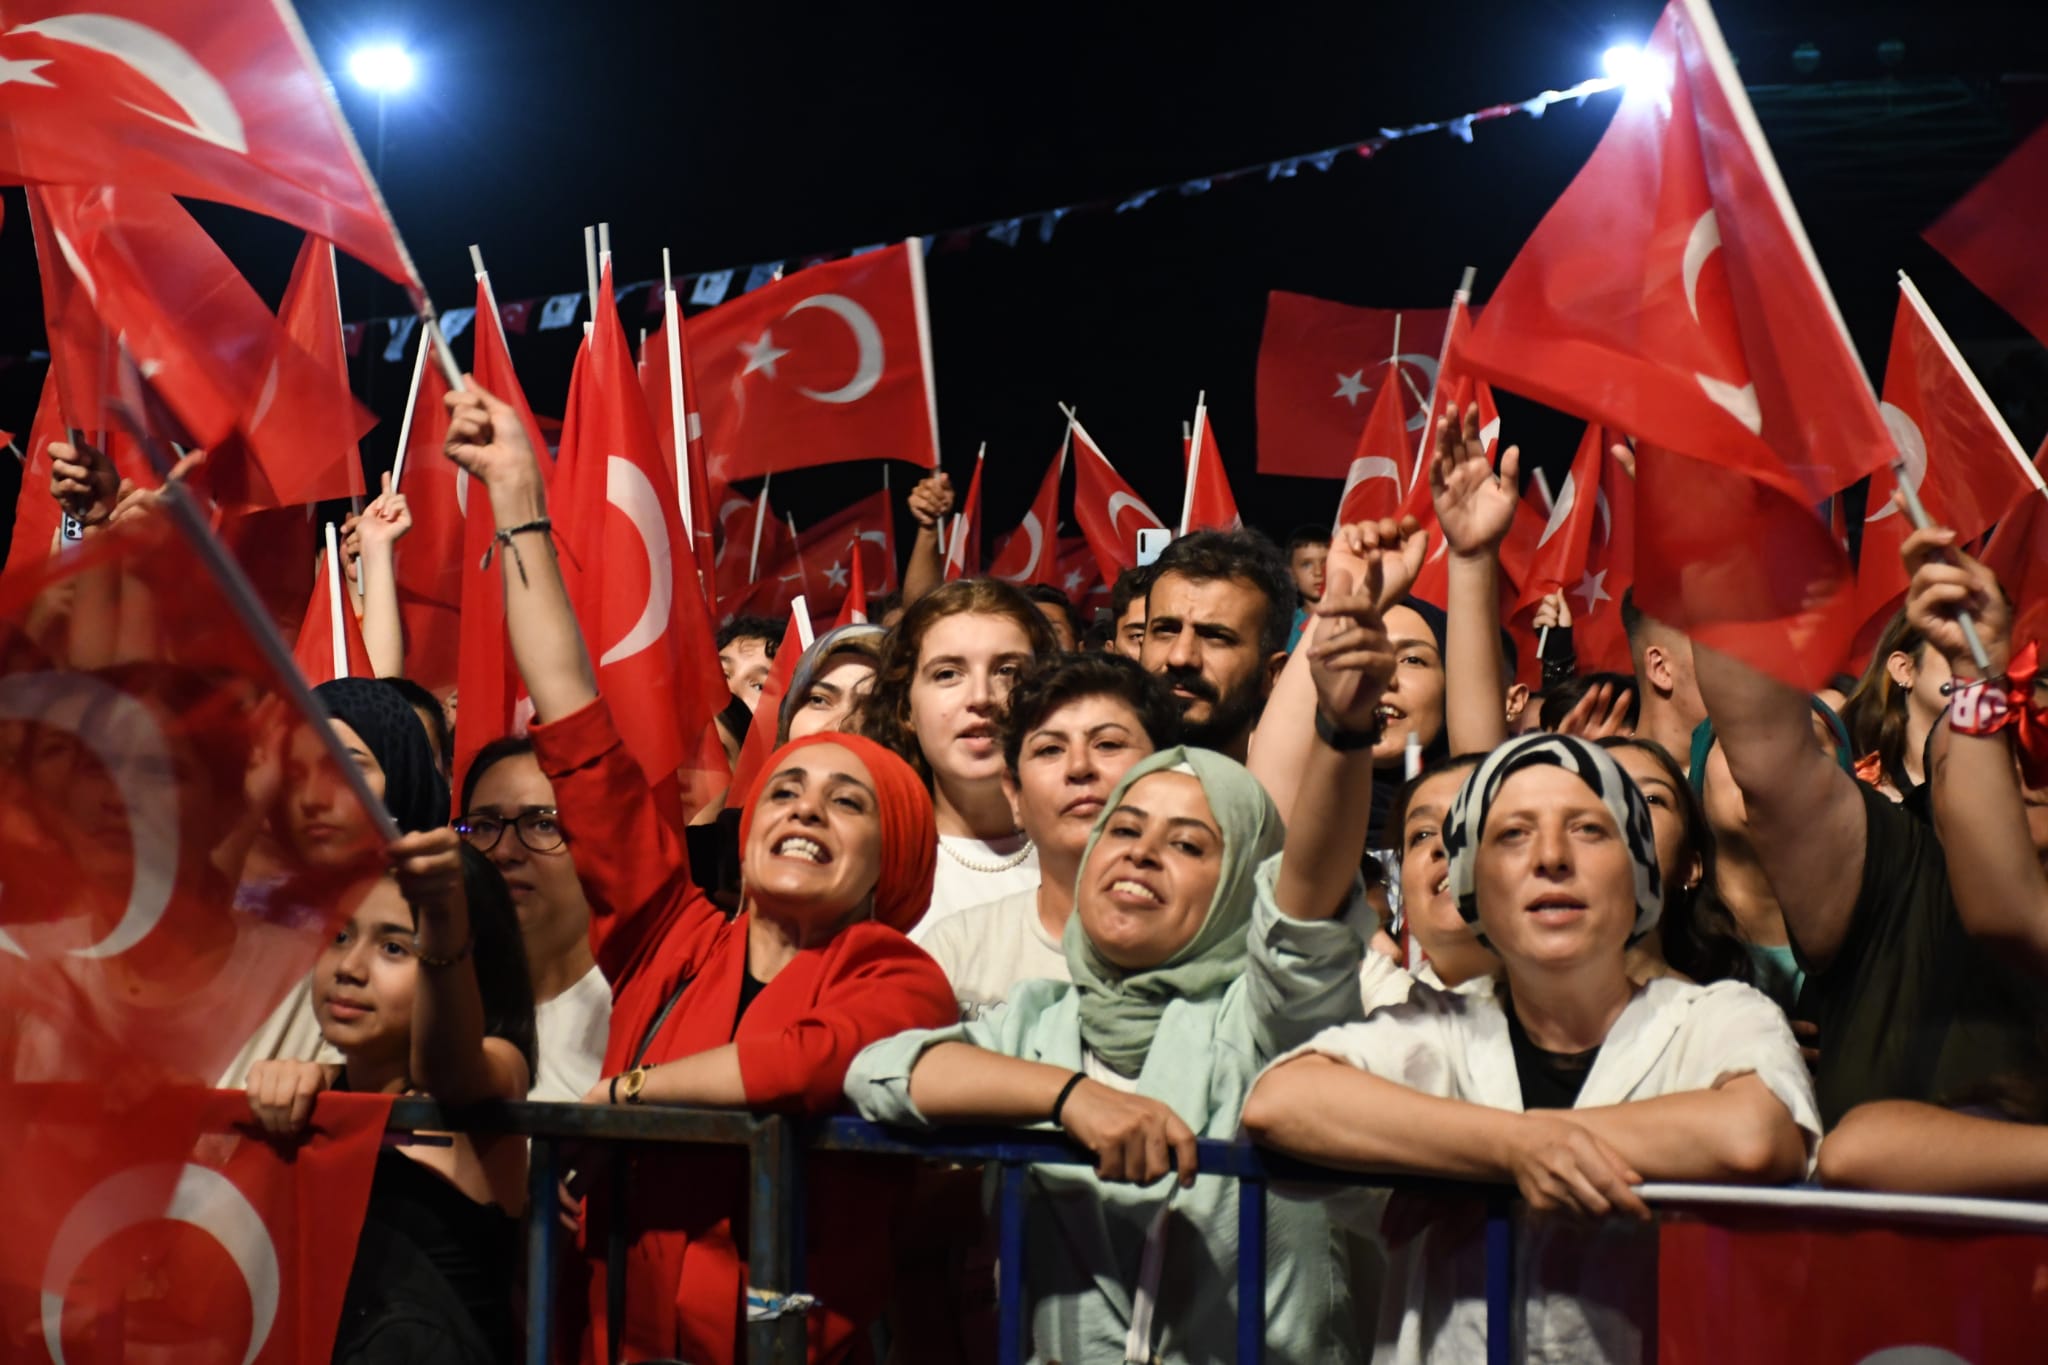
1272	850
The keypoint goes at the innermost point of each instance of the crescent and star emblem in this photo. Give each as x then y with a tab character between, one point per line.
209	112
762	353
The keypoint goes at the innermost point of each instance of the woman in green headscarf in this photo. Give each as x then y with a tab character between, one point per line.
1199	950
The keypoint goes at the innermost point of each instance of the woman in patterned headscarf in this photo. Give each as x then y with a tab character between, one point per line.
1570	1080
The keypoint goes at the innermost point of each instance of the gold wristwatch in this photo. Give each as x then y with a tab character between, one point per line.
631	1084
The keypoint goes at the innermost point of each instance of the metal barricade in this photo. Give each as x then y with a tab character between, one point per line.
775	1199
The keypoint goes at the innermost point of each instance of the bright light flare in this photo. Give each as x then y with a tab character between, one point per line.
1623	62
382	67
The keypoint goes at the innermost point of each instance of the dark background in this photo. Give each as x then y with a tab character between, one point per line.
736	133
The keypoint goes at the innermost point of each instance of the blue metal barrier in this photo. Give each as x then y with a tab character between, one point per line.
775	1202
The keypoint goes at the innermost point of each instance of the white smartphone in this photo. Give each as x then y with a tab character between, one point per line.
1152	542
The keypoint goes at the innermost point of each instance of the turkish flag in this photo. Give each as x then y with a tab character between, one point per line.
134	264
828	365
1382	468
310	314
1320	366
172	1228
36	514
1077	572
827	549
1992	234
1671	292
1765	1288
330	638
277	548
1109	510
759	745
429	559
492	367
1455	393
655	381
2018	553
1558	559
1029	554
963	547
1598	637
742	564
1208	504
1967	466
621	524
853	611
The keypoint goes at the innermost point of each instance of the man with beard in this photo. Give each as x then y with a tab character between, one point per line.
1217	618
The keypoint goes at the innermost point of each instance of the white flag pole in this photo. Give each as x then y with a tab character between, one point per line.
1955	358
1542	482
760	514
679	422
590	272
1187	498
604	245
800	610
337	638
419	365
796	547
1459	298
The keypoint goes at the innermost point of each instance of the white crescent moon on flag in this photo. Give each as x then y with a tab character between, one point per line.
202	1197
1367	468
1120	500
1559	510
1426	364
867	372
627	488
1032	529
1737	400
71	258
210	114
1604	516
1912	448
130	746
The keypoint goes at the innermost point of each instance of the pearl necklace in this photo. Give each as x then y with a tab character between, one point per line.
1000	865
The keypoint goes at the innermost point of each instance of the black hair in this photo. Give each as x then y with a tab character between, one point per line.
1243	556
880	604
1559	700
1051	596
766	629
1101	632
1697	932
488	757
431	715
1633	621
1390	831
1306	535
1070	677
1132	585
498	951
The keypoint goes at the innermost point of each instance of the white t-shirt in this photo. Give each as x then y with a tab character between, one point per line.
962	879
987	950
572	1029
1383	981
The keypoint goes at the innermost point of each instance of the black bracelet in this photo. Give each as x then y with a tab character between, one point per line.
504	538
614	1092
1347	741
1065	1090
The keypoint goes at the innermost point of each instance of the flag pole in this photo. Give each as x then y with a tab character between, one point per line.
1955	358
800	611
604	244
590	273
679	421
337	637
419	365
1459	298
796	547
1187	497
760	513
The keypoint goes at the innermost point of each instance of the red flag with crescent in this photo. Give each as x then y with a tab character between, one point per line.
171	1227
829	364
654	381
1109	510
429	559
1078	574
1598	636
1209	503
741	569
1378	481
625	558
853	610
1671	292
1321	367
1030	554
1558	558
330	620
223	101
963	543
828	551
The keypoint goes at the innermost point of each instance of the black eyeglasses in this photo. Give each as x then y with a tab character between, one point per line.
539	830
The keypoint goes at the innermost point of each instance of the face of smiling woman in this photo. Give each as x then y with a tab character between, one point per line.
1146	887
1556	886
814	851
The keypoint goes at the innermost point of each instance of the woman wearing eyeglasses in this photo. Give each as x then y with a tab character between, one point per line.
508	815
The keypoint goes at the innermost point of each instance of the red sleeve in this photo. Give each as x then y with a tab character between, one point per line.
634	868
884	985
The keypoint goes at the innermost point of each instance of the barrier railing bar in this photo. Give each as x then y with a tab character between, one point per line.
541	1223
1500	1280
1251	1272
775	1192
1011	1187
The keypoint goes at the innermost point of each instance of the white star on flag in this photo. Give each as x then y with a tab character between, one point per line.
762	354
1352	387
23	73
1592	587
1075	578
836	575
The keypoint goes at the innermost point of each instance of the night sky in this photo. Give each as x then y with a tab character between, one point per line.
736	133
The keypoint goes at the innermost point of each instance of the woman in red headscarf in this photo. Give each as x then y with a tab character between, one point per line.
763	1011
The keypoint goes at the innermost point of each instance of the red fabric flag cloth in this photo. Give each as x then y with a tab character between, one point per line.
1558	558
1109	510
1963	458
1208	503
36	514
1598	637
1028	554
310	314
1866	1293
830	364
277	548
759	745
1381	468
741	571
852	542
429	559
1456	392
963	543
329	614
1077	573
133	264
175	1230
1993	234
222	101
1320	366
492	366
2018	553
613	498
1671	292
853	609
703	509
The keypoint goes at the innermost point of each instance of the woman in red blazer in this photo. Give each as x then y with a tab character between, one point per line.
764	1011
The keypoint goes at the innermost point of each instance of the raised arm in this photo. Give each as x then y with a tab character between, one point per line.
1914	1148
384	523
1475	506
2001	893
929	502
452	1060
1805	816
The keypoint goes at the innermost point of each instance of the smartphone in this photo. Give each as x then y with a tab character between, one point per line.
73	528
1152	542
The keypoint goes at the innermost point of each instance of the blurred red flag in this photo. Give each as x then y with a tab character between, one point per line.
1558	558
621	526
1455	393
36	516
276	547
759	745
963	545
744	562
1967	465
492	366
826	547
830	364
134	264
223	101
1671	292
1028	554
2018	553
1208	504
310	314
1077	573
1598	637
430	557
703	511
330	642
1109	510
853	609
1378	483
1993	234
1321	365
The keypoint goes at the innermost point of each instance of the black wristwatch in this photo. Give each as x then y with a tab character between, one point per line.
1348	741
